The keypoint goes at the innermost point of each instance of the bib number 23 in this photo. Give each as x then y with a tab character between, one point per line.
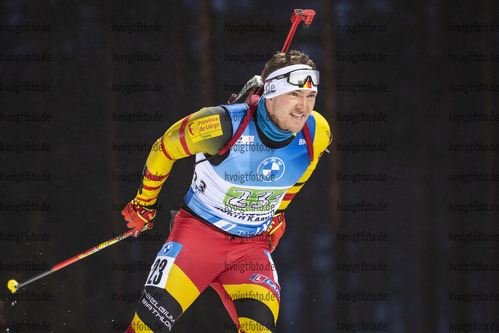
162	264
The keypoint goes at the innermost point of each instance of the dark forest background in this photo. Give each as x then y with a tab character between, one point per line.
433	264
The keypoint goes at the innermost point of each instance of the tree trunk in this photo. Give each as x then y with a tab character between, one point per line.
206	58
328	78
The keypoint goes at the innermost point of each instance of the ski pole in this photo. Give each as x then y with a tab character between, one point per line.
13	285
299	15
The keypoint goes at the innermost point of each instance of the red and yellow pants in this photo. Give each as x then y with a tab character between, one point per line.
197	255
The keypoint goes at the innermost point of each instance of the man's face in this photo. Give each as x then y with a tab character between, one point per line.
290	111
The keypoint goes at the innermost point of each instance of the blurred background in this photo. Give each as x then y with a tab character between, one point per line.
396	231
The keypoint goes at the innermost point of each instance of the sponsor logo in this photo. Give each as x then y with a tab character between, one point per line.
204	128
167	248
259	278
170	249
246	140
271	169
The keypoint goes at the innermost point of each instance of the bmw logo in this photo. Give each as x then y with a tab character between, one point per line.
271	169
167	248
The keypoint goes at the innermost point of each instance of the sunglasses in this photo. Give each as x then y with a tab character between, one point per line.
299	77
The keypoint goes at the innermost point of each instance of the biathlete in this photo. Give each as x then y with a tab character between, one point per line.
232	217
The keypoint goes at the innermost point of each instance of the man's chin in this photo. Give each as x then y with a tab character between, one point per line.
296	128
296	125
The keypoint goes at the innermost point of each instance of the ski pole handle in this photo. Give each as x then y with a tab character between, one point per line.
299	15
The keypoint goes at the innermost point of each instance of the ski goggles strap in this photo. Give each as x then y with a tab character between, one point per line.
294	77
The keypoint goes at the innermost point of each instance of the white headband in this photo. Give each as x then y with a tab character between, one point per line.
275	87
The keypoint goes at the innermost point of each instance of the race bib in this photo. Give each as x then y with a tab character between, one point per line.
163	264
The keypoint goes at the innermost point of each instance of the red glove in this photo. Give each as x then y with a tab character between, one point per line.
137	216
276	230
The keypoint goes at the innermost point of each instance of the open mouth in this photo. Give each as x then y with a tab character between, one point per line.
297	116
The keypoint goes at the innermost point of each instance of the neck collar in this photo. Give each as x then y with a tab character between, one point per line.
267	126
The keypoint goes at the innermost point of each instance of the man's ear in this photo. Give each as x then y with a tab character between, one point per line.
269	103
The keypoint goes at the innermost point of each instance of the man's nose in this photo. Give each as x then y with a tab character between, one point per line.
302	103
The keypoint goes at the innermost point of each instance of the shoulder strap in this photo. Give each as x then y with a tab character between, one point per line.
309	141
242	126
